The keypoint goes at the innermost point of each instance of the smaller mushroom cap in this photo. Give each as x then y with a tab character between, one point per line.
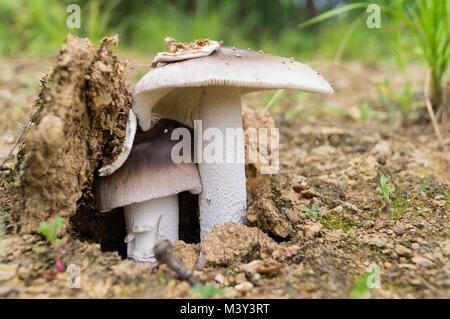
149	171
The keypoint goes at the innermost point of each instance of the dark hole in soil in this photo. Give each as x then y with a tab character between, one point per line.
108	229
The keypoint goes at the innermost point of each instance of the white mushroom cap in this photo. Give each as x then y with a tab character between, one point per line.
173	90
148	173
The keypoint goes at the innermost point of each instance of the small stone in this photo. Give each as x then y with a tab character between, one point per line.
314	230
244	286
7	271
220	279
323	150
402	250
358	149
399	229
338	209
382	149
240	278
5	291
230	292
351	207
381	160
407	266
291	215
299	183
387	265
420	225
421	260
252	267
256	279
415	246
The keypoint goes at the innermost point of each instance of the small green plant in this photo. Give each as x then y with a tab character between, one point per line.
385	189
313	212
397	207
447	196
230	271
360	289
207	291
51	233
422	209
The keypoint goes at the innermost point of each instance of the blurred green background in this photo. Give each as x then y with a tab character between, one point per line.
36	26
412	32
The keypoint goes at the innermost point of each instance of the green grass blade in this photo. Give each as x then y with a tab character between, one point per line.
333	12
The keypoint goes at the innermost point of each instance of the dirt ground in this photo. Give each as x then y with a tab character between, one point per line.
326	157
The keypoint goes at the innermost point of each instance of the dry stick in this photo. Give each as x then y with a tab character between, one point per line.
164	254
426	92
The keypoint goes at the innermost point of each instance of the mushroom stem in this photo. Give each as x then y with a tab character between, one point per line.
147	223
223	198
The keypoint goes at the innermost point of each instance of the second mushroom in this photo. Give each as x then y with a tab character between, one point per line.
146	184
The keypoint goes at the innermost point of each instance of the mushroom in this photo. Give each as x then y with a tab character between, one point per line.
146	185
209	89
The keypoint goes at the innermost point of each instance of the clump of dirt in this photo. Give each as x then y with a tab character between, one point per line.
188	253
231	244
78	125
266	208
253	119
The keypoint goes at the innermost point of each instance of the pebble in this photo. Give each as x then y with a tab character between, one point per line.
420	225
291	215
402	251
240	278
338	209
382	149
323	150
5	291
230	292
421	260
252	267
399	229
351	206
381	160
220	279
314	229
244	286
387	265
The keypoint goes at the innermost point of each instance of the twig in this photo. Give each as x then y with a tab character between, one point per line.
164	254
426	93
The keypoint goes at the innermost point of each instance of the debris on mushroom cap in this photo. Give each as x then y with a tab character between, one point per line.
184	51
148	173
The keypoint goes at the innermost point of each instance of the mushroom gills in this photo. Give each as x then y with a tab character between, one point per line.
147	223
